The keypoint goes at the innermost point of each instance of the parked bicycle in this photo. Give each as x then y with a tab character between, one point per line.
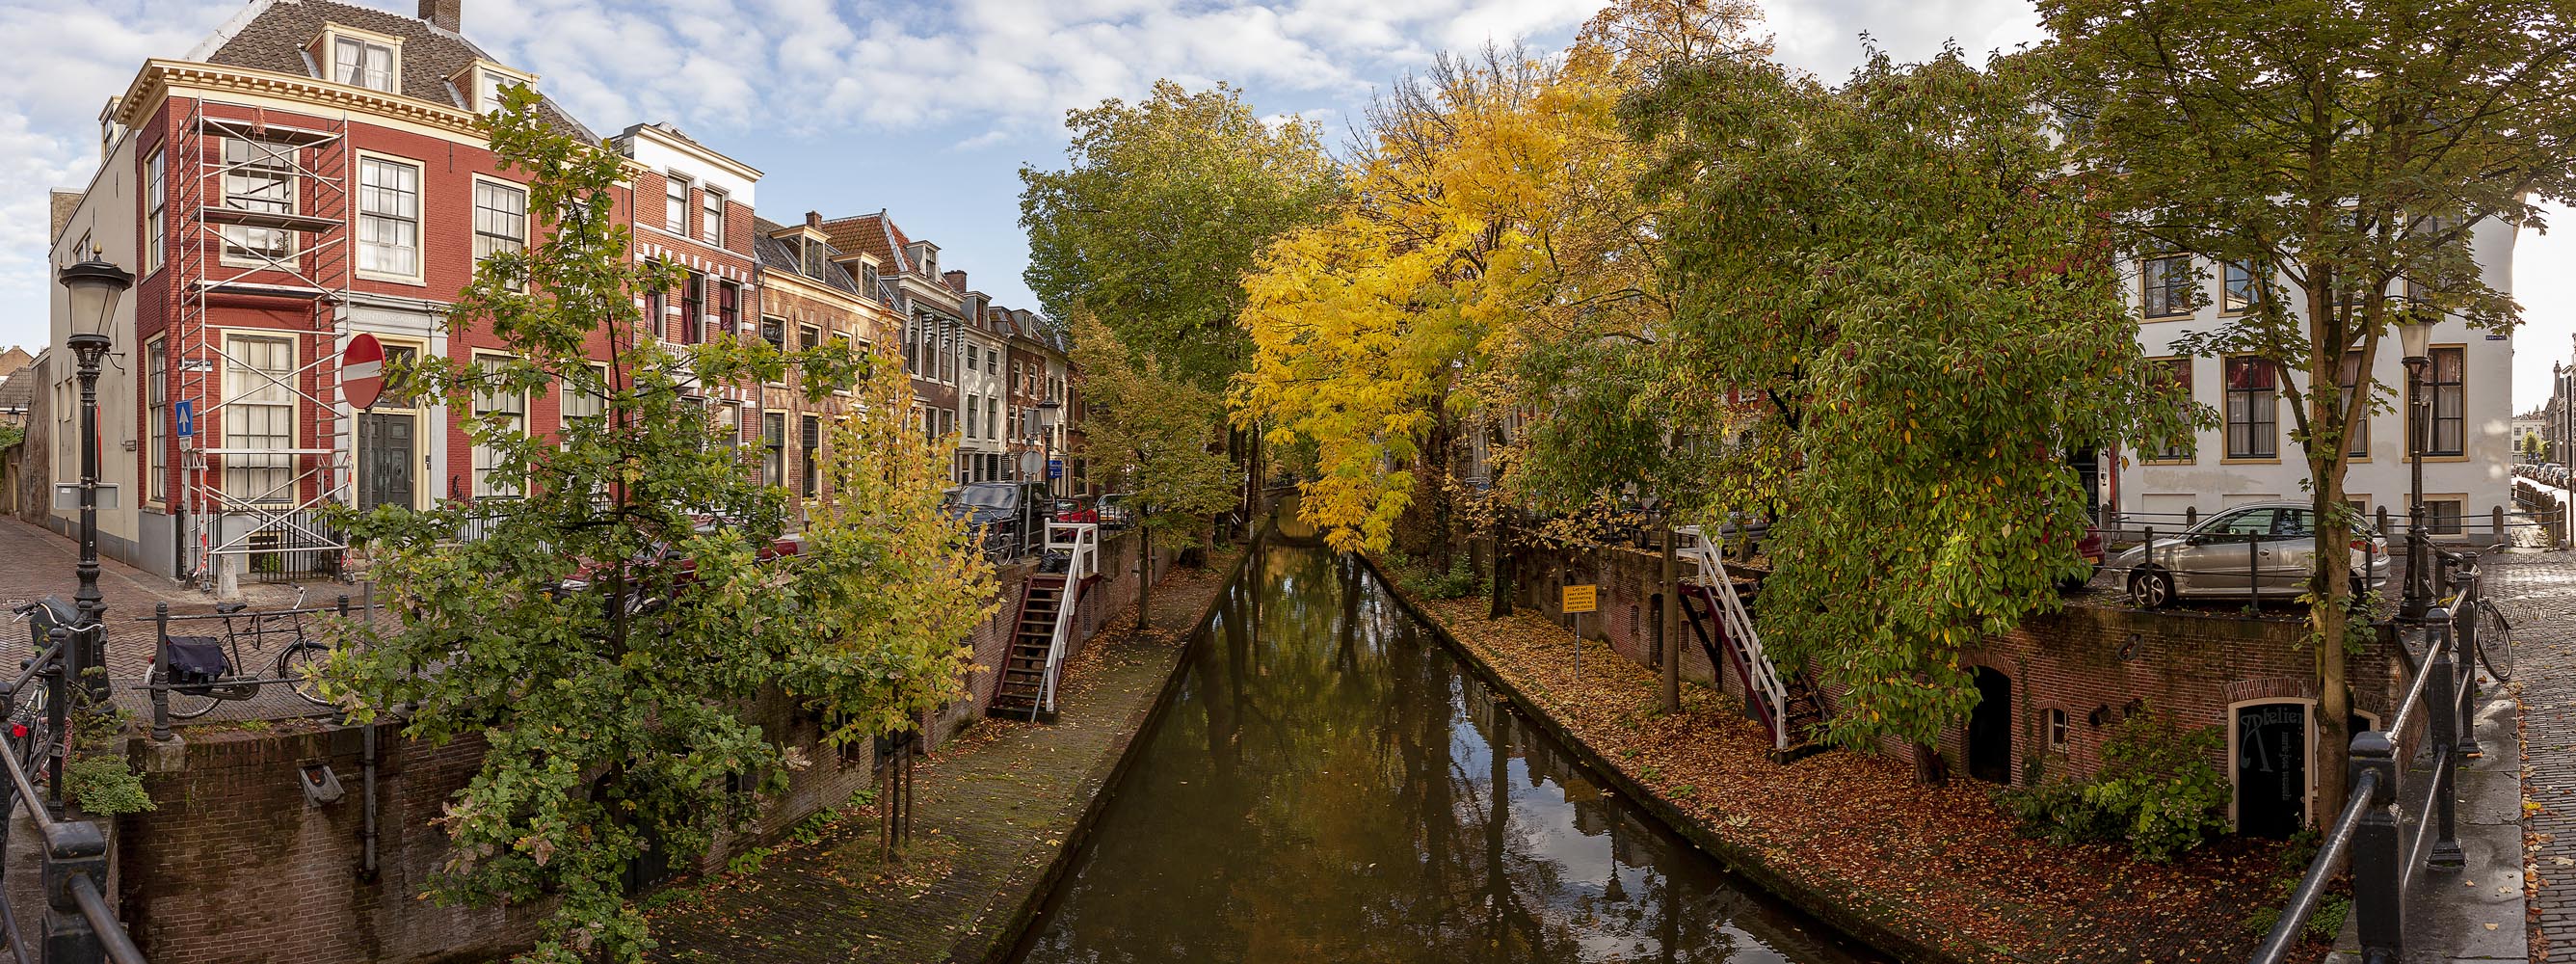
30	731
205	670
2494	635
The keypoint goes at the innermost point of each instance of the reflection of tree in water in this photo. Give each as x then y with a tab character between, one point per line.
1326	788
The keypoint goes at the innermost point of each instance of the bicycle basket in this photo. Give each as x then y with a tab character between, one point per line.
196	662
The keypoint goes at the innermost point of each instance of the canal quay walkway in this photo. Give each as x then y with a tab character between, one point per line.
996	810
1922	873
2538	594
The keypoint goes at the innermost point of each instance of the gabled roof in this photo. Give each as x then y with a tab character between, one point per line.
778	255
271	35
14	358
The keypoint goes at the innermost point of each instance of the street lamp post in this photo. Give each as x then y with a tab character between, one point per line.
1046	417
2415	334
95	287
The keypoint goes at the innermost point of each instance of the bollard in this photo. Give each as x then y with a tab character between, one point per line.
2190	516
2495	519
159	673
2378	864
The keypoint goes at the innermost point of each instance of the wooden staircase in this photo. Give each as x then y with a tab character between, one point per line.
1787	704
1022	692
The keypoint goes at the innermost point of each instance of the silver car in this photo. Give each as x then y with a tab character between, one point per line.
2257	550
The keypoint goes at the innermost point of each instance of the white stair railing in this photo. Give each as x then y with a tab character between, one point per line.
1737	624
1081	542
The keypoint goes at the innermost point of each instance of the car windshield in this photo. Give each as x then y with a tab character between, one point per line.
986	496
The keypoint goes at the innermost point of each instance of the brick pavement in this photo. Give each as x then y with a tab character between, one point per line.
2538	594
995	808
40	564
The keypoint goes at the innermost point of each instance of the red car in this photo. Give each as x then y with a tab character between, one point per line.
1076	510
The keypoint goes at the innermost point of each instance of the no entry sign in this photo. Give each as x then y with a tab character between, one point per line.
362	371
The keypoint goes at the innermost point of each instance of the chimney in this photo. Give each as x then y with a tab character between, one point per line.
956	281
448	15
814	219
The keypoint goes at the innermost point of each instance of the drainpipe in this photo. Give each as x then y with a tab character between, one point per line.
367	865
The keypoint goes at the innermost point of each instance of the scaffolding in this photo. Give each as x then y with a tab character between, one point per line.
262	207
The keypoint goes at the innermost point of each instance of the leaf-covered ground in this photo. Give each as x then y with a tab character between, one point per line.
1941	864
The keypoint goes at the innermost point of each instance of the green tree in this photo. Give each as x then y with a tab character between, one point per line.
1152	430
1159	213
1898	279
612	689
2349	151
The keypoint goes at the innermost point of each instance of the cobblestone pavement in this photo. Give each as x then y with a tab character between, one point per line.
39	564
994	808
2538	594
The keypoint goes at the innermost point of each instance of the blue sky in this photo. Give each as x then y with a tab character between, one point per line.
928	109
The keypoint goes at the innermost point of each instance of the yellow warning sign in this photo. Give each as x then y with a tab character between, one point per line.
1582	599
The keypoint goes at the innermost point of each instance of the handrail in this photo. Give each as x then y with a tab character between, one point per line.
1083	552
1759	674
111	932
75	851
2312	885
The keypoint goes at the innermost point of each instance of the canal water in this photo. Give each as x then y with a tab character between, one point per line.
1331	785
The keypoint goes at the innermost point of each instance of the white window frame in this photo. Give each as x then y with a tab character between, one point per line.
593	405
490	231
675	191
485	459
156	210
156	400
247	390
281	167
711	216
334	36
418	220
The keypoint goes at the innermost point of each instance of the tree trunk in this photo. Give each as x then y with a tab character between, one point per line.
2329	617
1501	603
1929	769
1144	574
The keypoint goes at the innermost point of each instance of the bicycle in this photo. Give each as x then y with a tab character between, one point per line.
30	730
2494	635
205	670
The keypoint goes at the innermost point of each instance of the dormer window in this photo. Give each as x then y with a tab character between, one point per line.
361	58
482	82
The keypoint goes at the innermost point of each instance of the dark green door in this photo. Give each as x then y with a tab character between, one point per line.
388	459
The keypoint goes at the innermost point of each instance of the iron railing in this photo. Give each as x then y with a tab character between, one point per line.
2370	832
79	925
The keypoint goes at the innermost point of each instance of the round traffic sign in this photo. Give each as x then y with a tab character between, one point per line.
362	371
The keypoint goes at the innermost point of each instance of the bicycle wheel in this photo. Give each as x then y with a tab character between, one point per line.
2495	641
300	663
183	704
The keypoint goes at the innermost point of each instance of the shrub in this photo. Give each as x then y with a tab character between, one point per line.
103	785
2157	792
1458	583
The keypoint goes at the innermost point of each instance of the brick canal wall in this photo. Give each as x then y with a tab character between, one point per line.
235	865
2095	662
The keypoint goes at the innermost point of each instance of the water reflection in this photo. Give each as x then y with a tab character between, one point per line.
1331	785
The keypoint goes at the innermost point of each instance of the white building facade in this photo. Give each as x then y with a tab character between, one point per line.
2250	456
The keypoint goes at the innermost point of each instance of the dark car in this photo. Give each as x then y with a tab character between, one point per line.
1010	514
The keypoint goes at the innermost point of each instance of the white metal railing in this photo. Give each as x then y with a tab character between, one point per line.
1762	677
1080	541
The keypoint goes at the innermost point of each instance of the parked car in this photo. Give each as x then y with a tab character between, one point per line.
1009	513
1078	509
2257	550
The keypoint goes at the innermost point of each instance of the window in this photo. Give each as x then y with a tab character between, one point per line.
509	409
155	211
868	280
2442	516
586	403
656	305
693	309
156	397
912	347
810	433
488	87
500	220
2253	415
972	410
2349	377
808	337
774	331
2174	372
971	355
993	416
388	217
2057	731
773	448
2448	395
259	177
993	362
728	308
675	209
2167	286
365	64
2240	292
713	224
259	416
